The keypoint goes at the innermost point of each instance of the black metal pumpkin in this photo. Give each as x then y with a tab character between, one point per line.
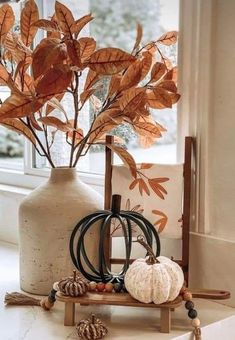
105	217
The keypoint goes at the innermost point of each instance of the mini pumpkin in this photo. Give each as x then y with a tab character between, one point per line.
153	279
91	328
75	285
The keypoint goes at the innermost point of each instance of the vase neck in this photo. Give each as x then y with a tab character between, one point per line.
63	174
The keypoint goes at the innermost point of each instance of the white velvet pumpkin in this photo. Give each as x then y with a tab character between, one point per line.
156	282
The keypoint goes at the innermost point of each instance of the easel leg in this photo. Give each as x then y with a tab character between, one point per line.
165	325
69	314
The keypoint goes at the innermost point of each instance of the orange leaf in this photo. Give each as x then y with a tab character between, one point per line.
85	95
16	48
168	38
139	35
146	165
7	20
54	34
49	52
158	70
132	99
158	98
174	97
143	187
73	48
114	84
110	60
162	221
34	123
127	159
56	122
158	188
17	106
65	18
91	79
172	74
18	126
29	15
6	79
87	47
132	75
47	25
146	64
147	129
134	183
55	81
168	85
80	23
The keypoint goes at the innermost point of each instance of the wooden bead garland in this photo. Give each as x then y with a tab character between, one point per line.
91	329
192	313
73	286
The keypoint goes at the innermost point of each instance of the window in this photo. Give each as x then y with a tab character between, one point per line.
115	22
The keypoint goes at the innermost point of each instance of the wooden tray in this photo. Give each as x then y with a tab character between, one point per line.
116	299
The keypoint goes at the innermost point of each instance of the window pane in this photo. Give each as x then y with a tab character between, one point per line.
11	143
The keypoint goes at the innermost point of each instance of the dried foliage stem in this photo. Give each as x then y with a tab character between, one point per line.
76	113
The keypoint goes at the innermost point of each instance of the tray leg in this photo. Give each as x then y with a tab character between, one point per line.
69	314
165	325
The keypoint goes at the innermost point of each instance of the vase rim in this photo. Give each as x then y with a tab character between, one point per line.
63	173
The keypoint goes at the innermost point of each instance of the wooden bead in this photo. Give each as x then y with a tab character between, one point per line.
196	322
182	290
100	286
187	296
192	313
109	287
189	305
92	286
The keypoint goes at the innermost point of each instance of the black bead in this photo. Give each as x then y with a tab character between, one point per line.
124	289
117	287
189	305
192	313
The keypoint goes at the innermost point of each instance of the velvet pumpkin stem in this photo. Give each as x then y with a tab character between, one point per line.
152	258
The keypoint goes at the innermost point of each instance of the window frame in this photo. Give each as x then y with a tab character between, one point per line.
31	177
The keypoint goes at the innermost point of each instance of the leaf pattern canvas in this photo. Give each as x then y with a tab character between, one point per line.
157	190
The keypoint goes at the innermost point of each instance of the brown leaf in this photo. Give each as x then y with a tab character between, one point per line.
132	75
55	81
17	106
54	34
147	129
55	103
132	99
80	23
162	221
29	15
157	72
168	85
168	38
114	84
110	60
56	122
13	46
73	48
6	79
85	95
146	64
172	74
143	187
127	159
34	123
139	35
65	18
78	134
91	79
7	20
51	108
47	25
158	188
28	83
87	47
158	98
49	52
19	127
174	97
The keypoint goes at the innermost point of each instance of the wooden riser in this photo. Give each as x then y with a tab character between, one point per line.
116	299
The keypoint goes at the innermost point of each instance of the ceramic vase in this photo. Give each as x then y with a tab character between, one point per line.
47	217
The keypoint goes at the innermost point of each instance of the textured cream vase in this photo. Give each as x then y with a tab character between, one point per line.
46	219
